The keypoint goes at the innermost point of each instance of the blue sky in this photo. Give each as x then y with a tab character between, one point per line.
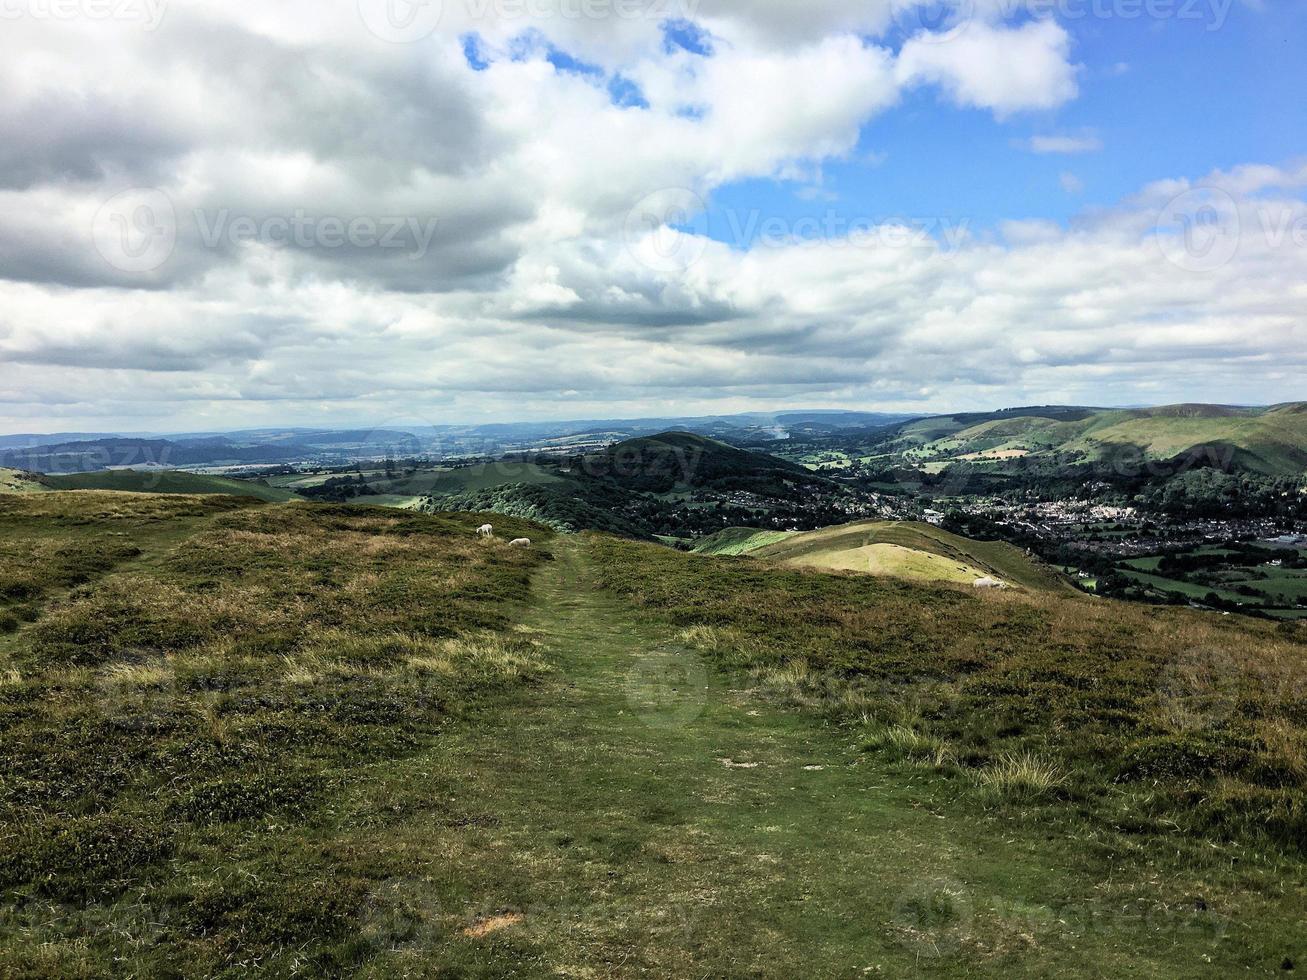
1166	99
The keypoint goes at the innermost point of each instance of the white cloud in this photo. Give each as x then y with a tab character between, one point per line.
1064	144
1006	69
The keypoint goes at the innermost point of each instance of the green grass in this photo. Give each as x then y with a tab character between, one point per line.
293	740
995	558
739	541
1164	719
199	680
166	481
17	481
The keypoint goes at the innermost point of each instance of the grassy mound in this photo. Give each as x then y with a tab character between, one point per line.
166	481
915	551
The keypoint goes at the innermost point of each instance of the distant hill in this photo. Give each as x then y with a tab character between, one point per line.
901	550
1267	441
661	463
18	481
165	481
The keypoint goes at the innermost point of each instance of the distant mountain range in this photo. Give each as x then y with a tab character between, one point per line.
80	453
1271	440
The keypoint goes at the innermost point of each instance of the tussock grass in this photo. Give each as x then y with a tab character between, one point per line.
188	664
901	743
1021	777
1115	699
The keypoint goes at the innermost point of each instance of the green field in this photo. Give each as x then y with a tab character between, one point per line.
438	481
17	481
739	541
166	481
947	557
301	740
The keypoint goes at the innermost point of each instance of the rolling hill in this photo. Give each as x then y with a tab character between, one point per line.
20	481
661	463
1267	441
919	552
166	481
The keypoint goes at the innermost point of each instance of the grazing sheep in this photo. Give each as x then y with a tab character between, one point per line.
520	543
989	583
486	530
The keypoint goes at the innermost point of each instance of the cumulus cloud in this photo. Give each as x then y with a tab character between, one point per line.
553	249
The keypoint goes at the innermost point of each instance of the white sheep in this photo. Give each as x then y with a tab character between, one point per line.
486	530
520	543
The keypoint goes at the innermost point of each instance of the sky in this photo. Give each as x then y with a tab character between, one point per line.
381	212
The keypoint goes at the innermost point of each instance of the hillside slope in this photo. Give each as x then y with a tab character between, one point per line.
661	463
912	551
1268	441
167	481
348	741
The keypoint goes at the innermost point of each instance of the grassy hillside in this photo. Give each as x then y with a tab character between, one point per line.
191	691
916	551
1271	441
738	541
1155	720
299	740
20	481
166	481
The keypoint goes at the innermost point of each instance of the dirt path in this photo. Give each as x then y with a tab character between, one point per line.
638	816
